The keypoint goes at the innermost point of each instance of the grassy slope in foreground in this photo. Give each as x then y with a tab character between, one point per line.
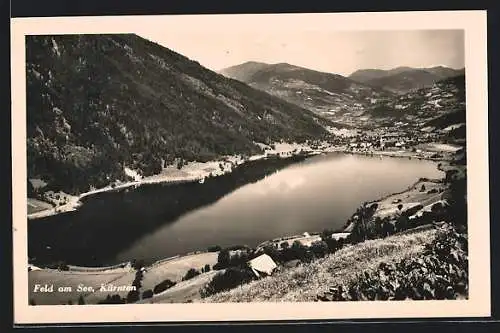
305	282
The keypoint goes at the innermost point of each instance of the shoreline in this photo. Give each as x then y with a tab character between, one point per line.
196	175
345	229
234	161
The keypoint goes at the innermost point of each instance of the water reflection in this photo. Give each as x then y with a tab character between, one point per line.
321	192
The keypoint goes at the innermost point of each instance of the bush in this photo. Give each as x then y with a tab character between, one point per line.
214	248
63	267
422	189
224	258
115	299
298	251
137	264
400	206
229	279
138	278
412	210
207	268
191	273
402	223
284	245
333	244
147	294
132	296
319	248
274	253
437	207
162	286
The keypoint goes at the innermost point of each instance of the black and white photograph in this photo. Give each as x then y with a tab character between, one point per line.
251	159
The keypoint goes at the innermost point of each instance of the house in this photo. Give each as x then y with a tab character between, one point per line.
262	265
340	235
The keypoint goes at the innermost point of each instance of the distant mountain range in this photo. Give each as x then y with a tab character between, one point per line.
99	103
331	95
351	100
404	79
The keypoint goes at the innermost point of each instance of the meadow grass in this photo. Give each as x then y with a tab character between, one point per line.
305	282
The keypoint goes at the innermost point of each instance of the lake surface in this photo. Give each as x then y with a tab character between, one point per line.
318	193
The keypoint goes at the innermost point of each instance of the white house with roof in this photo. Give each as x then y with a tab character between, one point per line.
263	265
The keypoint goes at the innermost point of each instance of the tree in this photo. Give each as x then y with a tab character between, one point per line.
274	253
326	234
300	251
214	248
162	286
147	294
180	163
31	190
400	206
207	268
378	225
81	301
387	228
191	273
333	244
436	207
284	245
224	258
231	278
63	266
137	264
132	296
422	189
115	299
402	223
319	248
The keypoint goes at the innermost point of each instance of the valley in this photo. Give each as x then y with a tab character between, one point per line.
149	171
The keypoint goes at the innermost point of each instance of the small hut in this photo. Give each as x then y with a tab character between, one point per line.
263	265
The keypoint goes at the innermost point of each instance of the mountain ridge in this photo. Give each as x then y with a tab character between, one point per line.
404	78
329	95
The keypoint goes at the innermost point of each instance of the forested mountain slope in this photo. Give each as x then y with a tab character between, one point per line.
99	103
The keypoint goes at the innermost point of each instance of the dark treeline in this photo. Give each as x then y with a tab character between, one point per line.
108	222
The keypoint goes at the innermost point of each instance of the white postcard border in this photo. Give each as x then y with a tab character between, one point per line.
478	304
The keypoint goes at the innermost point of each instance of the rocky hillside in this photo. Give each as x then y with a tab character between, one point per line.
330	95
99	103
404	79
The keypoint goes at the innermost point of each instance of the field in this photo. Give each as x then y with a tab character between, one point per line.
172	269
175	269
411	198
72	279
305	282
35	205
441	147
183	291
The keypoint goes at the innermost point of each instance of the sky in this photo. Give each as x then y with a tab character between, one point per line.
329	50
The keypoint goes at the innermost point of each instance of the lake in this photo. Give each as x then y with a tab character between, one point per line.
320	192
310	195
